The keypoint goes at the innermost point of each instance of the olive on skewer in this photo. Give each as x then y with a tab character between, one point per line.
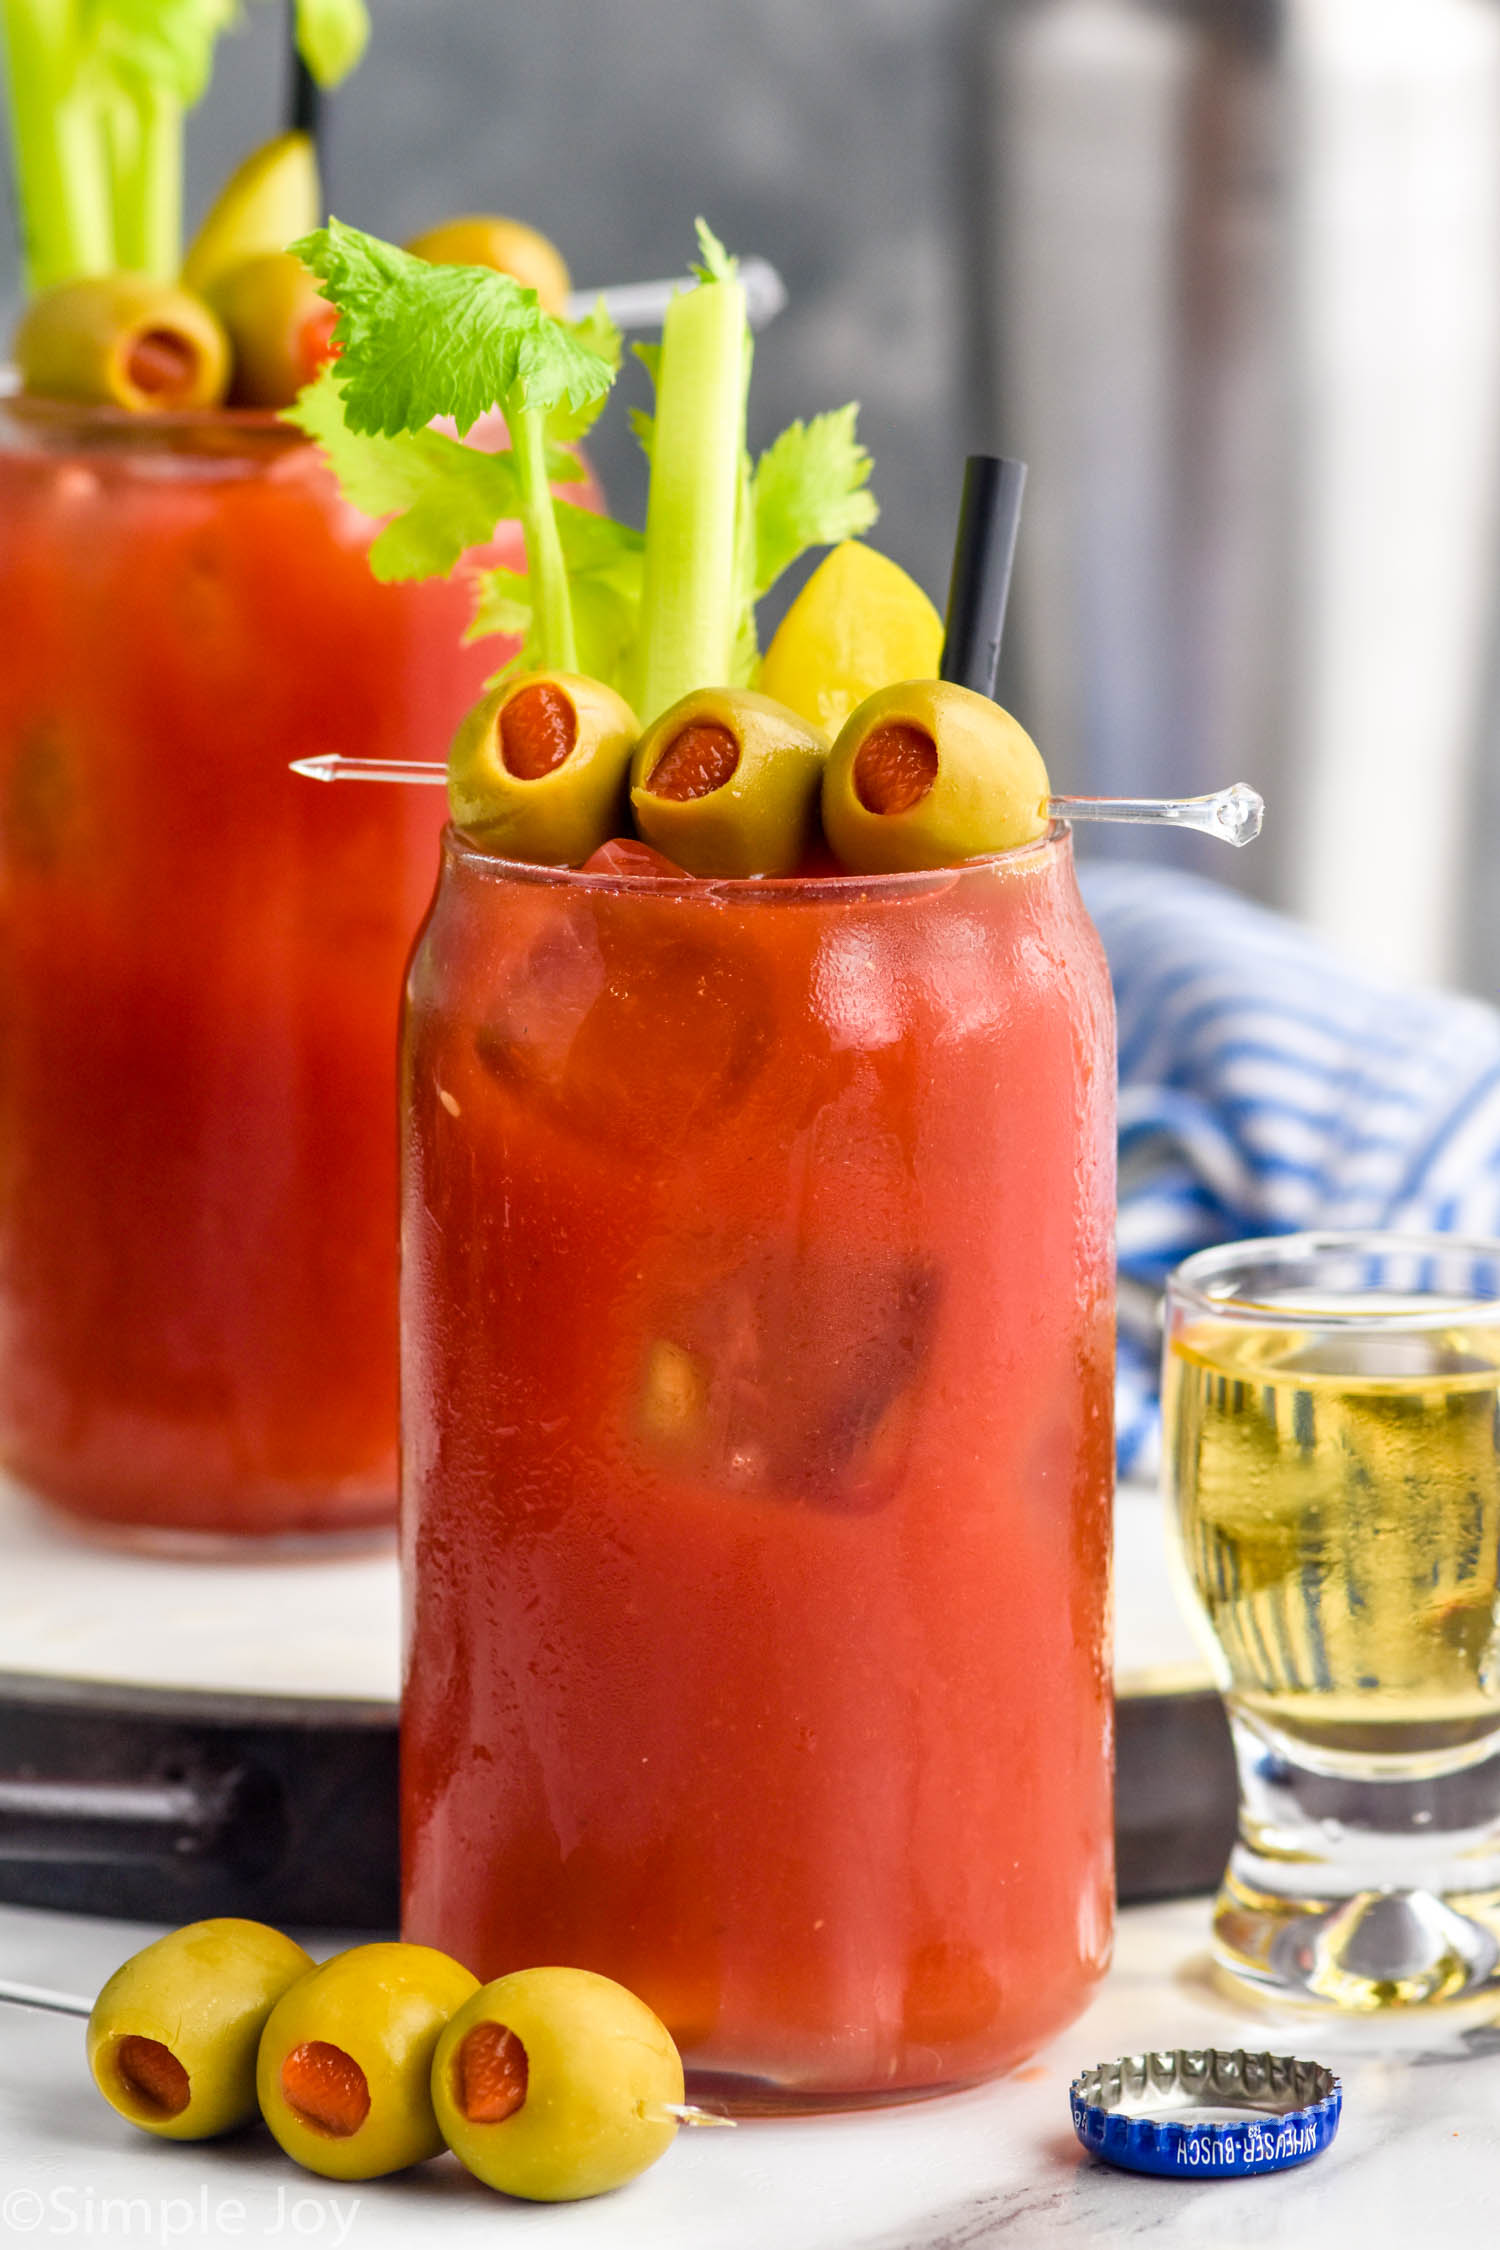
173	2036
538	767
346	2057
726	783
927	774
556	2084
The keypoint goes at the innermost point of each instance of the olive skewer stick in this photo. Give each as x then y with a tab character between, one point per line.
74	2004
643	304
42	1996
1232	814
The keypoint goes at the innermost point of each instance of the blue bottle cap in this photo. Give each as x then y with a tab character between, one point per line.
1194	2113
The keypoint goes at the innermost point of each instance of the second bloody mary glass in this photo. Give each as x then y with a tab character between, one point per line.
757	1309
200	967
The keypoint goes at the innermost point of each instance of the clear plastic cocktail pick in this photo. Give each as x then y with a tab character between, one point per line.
334	768
643	304
1232	814
42	1996
74	2004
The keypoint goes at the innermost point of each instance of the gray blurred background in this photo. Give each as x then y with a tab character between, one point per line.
1224	271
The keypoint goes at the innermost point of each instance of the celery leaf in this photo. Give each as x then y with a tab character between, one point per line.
810	489
443	497
604	560
642	424
417	341
717	264
567	423
331	37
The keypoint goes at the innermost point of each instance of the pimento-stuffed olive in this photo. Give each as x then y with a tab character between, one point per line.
278	327
926	774
346	2057
727	783
505	245
122	339
555	2084
173	2036
537	770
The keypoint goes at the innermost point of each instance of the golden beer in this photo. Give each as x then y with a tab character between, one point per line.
1331	1412
1338	1514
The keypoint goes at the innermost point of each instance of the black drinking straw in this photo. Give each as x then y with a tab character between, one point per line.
305	110
989	517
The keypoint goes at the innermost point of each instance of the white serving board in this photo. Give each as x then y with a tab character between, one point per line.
75	1610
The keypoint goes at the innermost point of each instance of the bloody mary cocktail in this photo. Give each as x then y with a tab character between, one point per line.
757	1314
200	961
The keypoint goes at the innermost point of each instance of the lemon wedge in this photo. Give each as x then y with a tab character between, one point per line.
858	624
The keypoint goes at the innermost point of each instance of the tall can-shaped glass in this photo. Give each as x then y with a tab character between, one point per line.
200	968
757	1305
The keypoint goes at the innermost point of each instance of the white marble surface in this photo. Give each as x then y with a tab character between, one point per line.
329	1628
1416	2162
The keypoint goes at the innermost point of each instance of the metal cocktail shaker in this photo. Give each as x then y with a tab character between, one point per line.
1244	316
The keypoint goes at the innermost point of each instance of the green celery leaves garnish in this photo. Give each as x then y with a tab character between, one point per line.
653	614
714	261
810	489
604	572
442	497
418	341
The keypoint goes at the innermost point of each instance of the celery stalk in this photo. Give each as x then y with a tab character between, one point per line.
62	185
552	604
688	607
146	167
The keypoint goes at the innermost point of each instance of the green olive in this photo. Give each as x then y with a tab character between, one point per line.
505	245
346	2057
277	324
173	2035
726	783
537	769
555	2084
269	200
122	339
925	774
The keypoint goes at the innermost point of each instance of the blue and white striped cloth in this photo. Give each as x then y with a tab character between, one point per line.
1265	1086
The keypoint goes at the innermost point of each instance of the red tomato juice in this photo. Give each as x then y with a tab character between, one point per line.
757	1302
200	966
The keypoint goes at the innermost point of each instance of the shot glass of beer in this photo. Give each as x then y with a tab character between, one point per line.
1331	1408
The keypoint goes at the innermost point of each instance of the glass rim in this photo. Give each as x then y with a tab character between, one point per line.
1189	1285
99	419
1045	850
